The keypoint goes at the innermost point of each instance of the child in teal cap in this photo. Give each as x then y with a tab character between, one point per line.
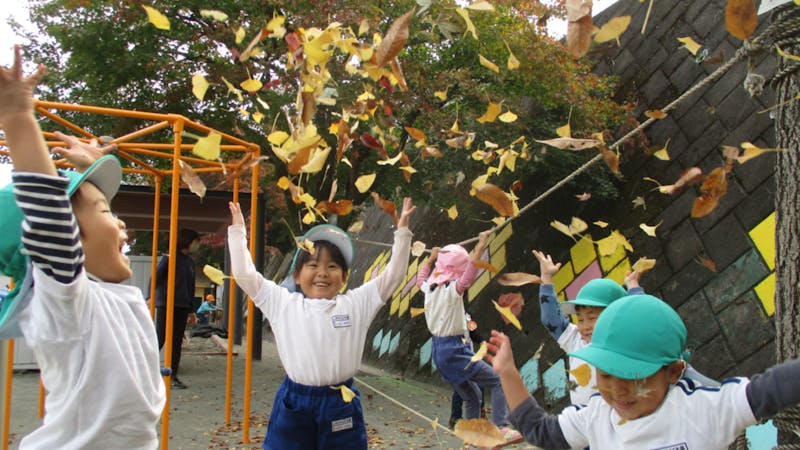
644	403
92	337
591	300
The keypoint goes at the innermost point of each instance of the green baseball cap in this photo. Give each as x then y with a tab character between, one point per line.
105	173
599	292
635	337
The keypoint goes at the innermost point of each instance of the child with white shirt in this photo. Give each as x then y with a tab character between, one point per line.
319	331
644	403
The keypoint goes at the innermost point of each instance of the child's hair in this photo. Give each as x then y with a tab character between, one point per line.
599	292
185	238
105	174
635	337
334	252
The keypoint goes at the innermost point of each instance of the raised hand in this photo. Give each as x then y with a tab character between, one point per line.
499	353
632	279
236	213
546	266
16	90
79	153
408	209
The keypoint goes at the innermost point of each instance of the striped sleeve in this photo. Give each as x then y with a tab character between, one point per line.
49	231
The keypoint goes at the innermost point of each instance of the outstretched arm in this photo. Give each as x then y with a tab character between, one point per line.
79	153
550	312
242	268
471	272
398	263
425	269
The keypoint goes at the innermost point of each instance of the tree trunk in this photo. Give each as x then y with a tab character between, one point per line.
787	222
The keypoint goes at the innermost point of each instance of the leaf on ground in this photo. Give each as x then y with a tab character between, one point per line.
518	279
479	432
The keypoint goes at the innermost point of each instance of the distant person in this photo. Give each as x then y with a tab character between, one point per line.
206	309
91	335
183	313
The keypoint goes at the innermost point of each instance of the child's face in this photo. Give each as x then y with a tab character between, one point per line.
102	236
320	276
587	317
632	399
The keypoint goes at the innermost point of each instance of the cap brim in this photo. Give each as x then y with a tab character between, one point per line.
568	307
105	173
616	364
335	236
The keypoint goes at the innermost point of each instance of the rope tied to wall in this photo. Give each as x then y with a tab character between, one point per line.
788	421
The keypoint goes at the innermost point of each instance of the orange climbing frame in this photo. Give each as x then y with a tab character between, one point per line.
136	148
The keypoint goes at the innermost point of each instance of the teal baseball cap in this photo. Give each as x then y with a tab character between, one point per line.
635	337
599	292
105	173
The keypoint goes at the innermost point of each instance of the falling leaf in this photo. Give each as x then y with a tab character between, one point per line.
470	27
364	182
571	143
611	158
579	26
215	275
707	262
583	197
316	162
417	311
191	179
441	95
479	432
306	246
496	198
434	424
199	85
648	230
612	29
481	264
232	89
751	151
505	311
690	44
239	35
638	202
600	223
507	117
395	39
340	207
347	394
155	17
214	14
417	249
452	212
564	131
480	353
492	111
513	62
655	114
787	55
488	64
387	206
208	147
662	152
741	18
356	227
642	265
481	5
582	374
416	133
518	279
713	188
275	26
251	85
575	227
608	245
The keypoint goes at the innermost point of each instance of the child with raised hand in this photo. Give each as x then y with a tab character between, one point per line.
319	331
445	278
637	350
595	296
92	337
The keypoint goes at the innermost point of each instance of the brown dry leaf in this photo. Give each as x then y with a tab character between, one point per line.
518	279
416	133
508	314
191	179
714	187
395	39
431	152
479	432
571	143
397	71
741	18
582	374
642	265
309	107
689	176
299	160
496	198
655	114
611	158
481	264
387	206
579	27
339	207
707	262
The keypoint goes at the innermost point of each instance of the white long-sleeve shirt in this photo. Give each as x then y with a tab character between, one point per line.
320	341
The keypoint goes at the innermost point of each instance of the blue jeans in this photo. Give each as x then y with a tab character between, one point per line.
469	390
315	418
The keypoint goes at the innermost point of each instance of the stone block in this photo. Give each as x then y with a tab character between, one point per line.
623	60
754	172
695	122
745	326
655	277
678	210
681	245
701	324
686	75
654	87
758	205
761	360
708	20
722	87
736	108
726	241
713	359
665	130
733	281
685	283
708	141
655	55
735	195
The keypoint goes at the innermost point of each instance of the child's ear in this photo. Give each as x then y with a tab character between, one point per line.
675	371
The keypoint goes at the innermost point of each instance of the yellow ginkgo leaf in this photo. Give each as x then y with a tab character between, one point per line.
690	44
481	5
309	218
233	89
648	230
283	183
316	162
155	17
251	85
356	227
612	29
565	131
662	153
480	353
643	265
608	245
364	182
275	25
492	111
506	312
787	55
258	116
470	27
347	394
417	311
751	151
576	226
199	85
452	212
600	223
208	147
434	423
239	35
214	14
582	374
278	137
488	64
215	275
507	117
441	95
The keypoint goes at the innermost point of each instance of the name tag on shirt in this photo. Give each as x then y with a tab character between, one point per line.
342	424
341	321
681	446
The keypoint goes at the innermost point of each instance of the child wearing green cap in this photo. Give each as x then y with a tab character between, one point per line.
320	332
92	337
593	297
644	403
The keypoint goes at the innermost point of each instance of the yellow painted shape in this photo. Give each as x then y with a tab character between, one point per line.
403	306
563	277
765	290
501	238
608	262
377	263
478	285
498	258
582	254
763	235
618	273
394	306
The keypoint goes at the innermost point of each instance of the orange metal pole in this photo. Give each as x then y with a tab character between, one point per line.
66	123
154	249
231	324
248	362
156	146
106	111
7	395
42	394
